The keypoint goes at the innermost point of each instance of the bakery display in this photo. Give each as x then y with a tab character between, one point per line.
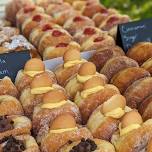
70	67
147	65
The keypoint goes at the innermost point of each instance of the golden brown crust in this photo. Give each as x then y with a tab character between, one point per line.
53	142
88	105
145	108
22	126
126	77
116	64
10	106
102	55
138	91
147	65
135	141
43	118
140	52
8	88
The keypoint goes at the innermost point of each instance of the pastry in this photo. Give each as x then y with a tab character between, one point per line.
140	52
10	106
51	52
86	33
13	7
104	121
32	67
18	144
47	40
8	88
26	12
93	94
113	20
116	64
102	55
138	91
14	125
134	135
79	5
34	92
34	21
96	42
62	130
145	108
72	62
126	77
147	65
54	103
4	23
75	83
38	31
45	3
77	23
88	145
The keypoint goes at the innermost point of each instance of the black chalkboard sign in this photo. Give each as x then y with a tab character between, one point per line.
134	32
11	63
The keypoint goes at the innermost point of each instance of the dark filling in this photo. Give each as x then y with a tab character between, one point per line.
46	27
62	45
12	144
86	145
37	18
5	124
29	9
78	19
112	20
99	39
56	33
89	31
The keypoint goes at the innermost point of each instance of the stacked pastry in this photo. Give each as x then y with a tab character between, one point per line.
73	26
14	126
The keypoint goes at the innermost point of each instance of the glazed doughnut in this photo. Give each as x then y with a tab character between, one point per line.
88	31
53	104
63	129
34	21
102	55
126	77
59	50
61	36
19	143
10	106
107	117
88	145
34	92
8	88
147	65
72	62
93	94
32	68
26	12
86	71
77	23
14	125
96	42
116	64
140	52
138	91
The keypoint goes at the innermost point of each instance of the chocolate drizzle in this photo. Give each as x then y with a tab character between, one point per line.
12	144
5	124
86	145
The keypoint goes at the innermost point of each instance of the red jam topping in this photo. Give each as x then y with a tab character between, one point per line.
78	19
29	9
104	11
56	33
99	39
46	27
112	20
89	31
37	18
62	45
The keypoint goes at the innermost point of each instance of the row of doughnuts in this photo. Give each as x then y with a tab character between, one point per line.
42	23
